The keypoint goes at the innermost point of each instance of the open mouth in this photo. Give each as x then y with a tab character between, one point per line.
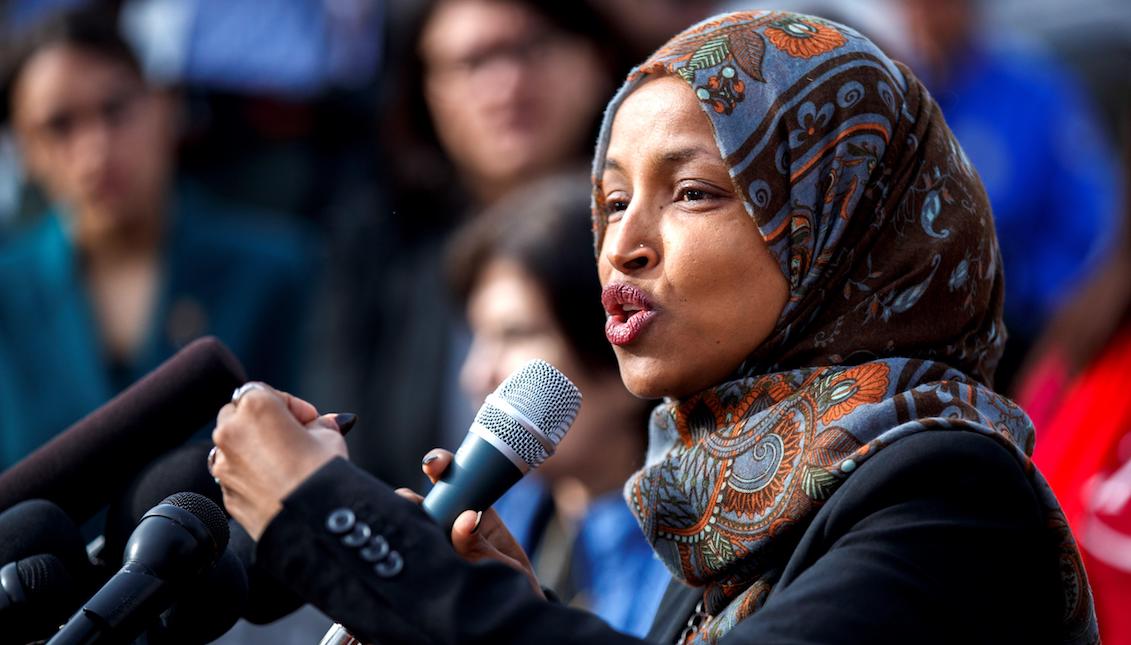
630	310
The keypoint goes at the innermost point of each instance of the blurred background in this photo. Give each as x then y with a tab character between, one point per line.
327	185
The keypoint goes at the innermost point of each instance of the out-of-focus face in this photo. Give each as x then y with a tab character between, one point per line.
940	30
512	323
93	134
690	287
509	95
650	23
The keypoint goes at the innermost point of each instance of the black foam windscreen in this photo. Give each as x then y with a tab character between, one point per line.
182	469
37	527
82	468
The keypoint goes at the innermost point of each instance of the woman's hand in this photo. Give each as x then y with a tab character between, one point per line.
267	444
478	536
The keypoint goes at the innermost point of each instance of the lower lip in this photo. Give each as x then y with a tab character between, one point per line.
622	331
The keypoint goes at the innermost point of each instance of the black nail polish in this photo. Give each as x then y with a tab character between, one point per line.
345	421
429	459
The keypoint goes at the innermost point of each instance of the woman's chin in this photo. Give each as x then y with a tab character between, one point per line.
648	377
674	375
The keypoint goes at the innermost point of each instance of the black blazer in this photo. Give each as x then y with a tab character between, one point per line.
938	538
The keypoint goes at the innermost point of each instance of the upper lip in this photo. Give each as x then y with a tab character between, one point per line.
623	299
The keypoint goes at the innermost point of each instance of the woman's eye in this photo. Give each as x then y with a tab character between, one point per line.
692	195
616	206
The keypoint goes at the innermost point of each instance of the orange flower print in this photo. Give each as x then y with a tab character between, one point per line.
804	38
852	388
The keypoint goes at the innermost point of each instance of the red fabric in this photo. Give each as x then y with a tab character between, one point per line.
1084	450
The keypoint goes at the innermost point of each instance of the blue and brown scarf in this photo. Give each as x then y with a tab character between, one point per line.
893	326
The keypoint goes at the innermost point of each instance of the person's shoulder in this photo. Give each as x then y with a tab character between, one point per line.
940	534
955	465
974	455
31	244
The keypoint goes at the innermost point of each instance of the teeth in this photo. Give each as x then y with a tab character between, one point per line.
631	308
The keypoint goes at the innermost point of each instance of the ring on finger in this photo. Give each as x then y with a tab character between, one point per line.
238	393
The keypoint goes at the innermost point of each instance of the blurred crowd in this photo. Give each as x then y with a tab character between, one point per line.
382	205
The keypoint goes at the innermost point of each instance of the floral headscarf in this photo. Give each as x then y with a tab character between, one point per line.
893	325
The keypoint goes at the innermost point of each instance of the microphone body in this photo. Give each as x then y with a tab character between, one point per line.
478	476
172	545
82	467
517	428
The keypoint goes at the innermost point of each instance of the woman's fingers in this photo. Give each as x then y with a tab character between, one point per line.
464	538
435	463
410	495
327	421
482	535
303	411
264	452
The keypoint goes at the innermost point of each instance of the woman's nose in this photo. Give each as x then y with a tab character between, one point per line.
631	244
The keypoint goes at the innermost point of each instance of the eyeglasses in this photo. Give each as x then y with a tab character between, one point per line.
533	51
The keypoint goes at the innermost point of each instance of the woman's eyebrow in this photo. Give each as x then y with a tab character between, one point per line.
683	155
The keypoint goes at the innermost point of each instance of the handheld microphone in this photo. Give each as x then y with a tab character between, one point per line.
517	428
173	544
36	594
82	467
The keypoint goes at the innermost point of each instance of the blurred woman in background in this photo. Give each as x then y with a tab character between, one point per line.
525	273
129	264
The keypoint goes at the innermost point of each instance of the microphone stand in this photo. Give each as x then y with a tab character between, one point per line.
337	635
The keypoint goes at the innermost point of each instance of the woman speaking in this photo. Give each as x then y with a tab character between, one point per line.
796	255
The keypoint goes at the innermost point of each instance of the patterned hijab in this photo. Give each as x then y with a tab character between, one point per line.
893	325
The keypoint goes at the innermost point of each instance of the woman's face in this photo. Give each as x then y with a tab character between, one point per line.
509	94
93	134
511	323
689	286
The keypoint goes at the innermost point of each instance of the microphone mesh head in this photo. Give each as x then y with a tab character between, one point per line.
207	512
545	398
44	574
